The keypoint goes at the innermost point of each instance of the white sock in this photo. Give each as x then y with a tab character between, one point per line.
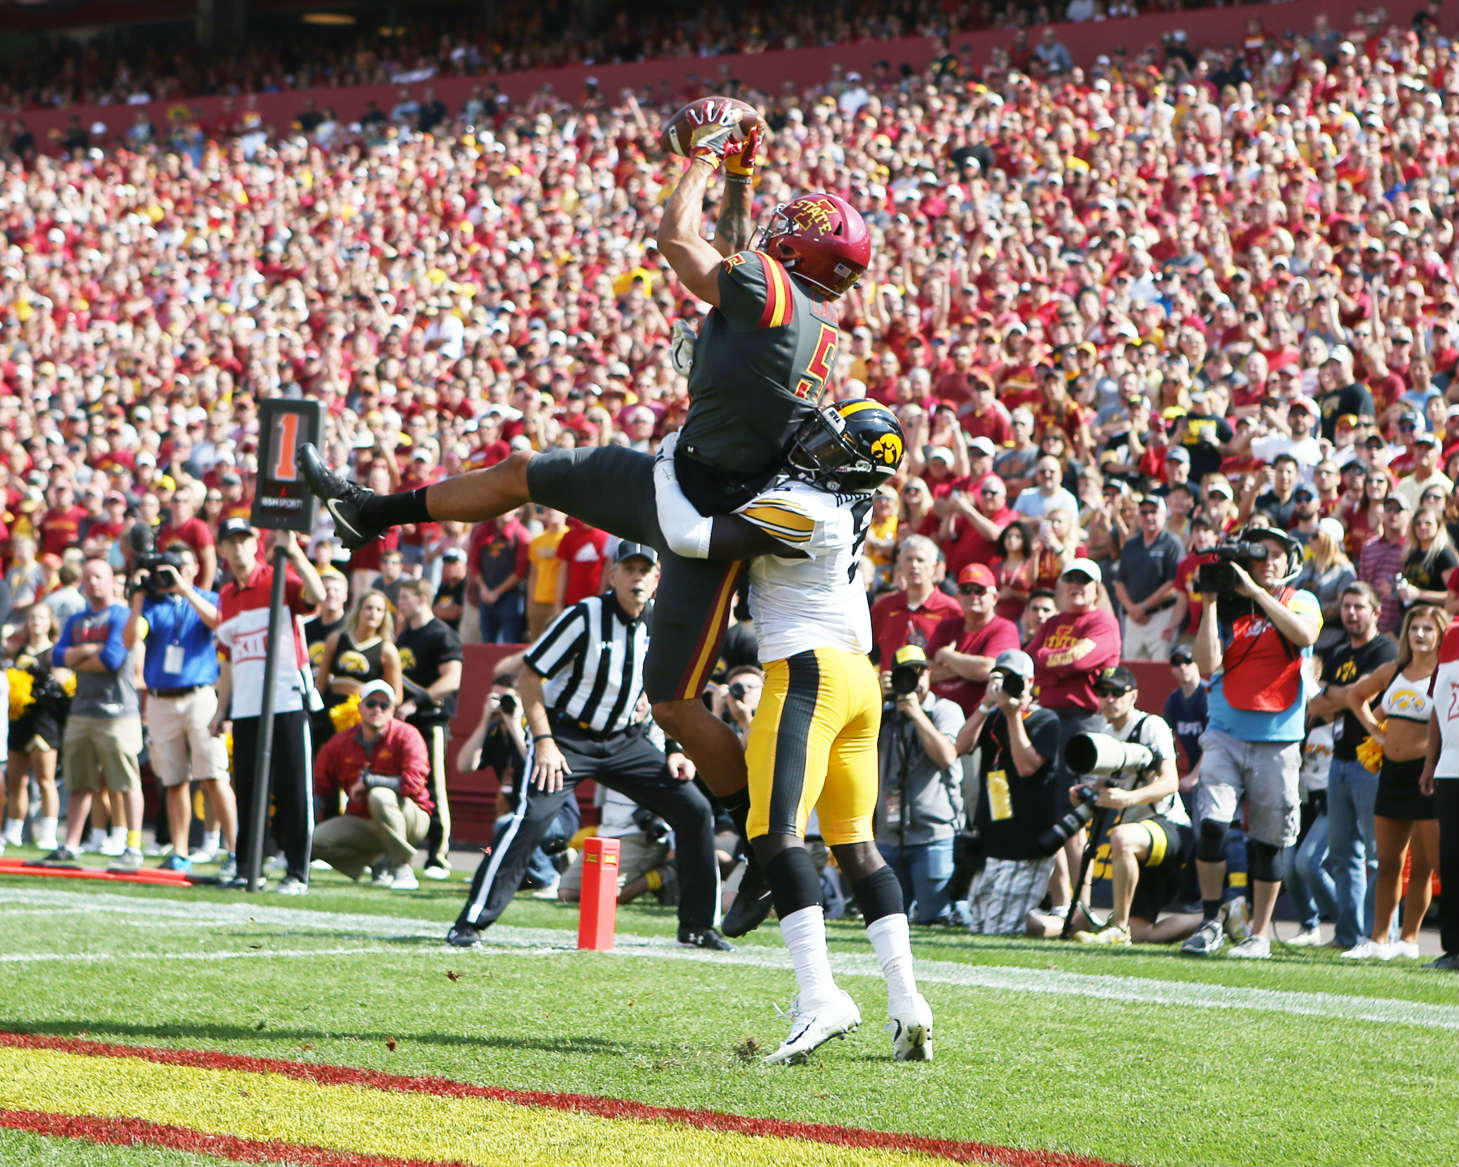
45	830
892	940
13	828
212	840
117	834
804	933
98	836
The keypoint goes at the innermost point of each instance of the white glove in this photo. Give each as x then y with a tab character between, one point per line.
681	348
667	446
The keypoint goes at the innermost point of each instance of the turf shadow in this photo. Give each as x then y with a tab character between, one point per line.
124	1032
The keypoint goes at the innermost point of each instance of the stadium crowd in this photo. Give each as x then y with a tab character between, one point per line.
1120	311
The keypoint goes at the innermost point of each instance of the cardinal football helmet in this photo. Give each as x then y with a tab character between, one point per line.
820	239
849	445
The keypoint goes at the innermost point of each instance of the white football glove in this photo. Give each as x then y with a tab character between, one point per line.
681	348
667	445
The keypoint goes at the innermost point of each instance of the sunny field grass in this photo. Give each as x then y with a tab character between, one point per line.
1069	1070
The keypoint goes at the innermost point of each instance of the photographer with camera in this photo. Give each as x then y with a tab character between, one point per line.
1151	838
175	622
1017	741
920	805
1253	642
736	702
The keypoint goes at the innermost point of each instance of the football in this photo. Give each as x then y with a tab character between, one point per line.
677	136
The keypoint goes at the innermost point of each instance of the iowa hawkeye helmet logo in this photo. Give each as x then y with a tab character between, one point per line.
887	449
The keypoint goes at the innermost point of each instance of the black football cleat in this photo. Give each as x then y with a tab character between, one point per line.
704	938
752	903
464	936
343	500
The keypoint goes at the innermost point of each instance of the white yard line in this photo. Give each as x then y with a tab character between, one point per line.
505	939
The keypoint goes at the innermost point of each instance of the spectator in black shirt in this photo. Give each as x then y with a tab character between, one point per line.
1276	501
430	668
1339	394
451	595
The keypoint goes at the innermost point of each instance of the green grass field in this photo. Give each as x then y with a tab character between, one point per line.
1135	1056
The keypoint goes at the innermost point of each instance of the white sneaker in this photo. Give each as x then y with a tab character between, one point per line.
46	842
404	879
276	863
1403	950
115	844
1366	949
812	1028
435	871
547	891
1307	938
95	841
911	1030
1253	948
290	886
318	865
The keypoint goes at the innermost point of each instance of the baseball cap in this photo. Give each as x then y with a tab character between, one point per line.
1424	438
940	454
1304	403
370	688
1332	528
231	528
910	654
1014	661
982	444
1116	677
627	550
1180	655
1304	491
1083	567
453	553
1177	454
977	573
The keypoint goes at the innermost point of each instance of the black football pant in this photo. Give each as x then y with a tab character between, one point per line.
438	837
630	764
289	785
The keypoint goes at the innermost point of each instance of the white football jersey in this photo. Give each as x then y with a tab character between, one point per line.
819	602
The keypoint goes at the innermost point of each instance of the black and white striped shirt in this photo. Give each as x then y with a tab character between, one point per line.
591	661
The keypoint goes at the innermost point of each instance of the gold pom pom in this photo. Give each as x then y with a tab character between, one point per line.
22	692
347	714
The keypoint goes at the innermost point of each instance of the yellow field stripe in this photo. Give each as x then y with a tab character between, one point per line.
368	1121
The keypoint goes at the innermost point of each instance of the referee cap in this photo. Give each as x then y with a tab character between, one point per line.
627	550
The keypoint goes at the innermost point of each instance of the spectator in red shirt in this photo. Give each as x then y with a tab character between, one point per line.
187	527
498	562
581	553
60	527
962	650
975	522
911	615
381	765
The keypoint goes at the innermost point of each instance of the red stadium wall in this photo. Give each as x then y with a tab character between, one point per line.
765	71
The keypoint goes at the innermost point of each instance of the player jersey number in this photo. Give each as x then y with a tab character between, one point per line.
818	368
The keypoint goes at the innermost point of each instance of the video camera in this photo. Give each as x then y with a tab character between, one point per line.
1219	578
1098	755
160	568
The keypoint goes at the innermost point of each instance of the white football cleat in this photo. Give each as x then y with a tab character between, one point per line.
911	1029
812	1028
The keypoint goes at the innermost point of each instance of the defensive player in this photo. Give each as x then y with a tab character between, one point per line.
761	358
813	742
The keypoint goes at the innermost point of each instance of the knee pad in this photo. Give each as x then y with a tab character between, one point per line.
1264	861
878	895
1211	846
794	881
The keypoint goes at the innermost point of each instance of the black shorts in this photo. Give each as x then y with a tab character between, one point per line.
1398	793
612	488
39	728
1171	846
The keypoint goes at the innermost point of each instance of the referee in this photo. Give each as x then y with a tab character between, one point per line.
581	690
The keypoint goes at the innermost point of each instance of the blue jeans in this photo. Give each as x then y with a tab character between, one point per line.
504	622
923	870
1309	885
1352	849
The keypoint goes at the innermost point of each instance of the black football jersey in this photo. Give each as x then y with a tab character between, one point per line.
762	359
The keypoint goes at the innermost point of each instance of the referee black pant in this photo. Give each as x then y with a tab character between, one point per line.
438	837
289	784
630	764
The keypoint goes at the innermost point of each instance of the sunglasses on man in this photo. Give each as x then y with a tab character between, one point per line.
972	589
375	703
